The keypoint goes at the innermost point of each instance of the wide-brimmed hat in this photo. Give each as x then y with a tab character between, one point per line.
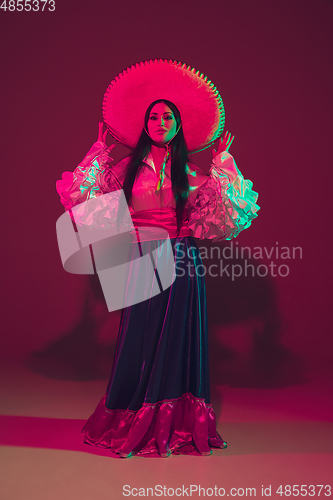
134	89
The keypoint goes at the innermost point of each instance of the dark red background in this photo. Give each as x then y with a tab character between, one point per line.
272	63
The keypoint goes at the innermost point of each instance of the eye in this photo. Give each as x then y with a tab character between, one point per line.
152	118
169	117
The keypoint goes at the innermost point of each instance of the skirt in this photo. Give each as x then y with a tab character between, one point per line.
157	400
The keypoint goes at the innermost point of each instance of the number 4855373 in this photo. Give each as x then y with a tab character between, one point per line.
27	5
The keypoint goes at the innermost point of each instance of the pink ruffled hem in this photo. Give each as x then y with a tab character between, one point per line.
184	425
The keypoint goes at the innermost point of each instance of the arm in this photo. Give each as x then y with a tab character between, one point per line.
81	192
225	205
88	179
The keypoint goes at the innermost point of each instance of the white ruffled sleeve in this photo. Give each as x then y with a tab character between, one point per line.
88	179
91	179
225	204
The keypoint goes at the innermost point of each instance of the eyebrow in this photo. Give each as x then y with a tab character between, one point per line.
165	113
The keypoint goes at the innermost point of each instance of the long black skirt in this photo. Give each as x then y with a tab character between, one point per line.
157	400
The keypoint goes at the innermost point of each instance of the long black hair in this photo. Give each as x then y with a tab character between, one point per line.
179	160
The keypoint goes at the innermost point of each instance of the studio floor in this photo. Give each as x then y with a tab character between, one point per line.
276	437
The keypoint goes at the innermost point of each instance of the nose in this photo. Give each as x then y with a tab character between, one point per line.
162	121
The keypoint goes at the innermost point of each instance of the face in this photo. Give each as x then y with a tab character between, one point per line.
162	125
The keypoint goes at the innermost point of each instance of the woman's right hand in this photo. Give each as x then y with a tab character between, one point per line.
101	135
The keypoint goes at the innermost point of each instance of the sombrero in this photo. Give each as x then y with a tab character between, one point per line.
130	93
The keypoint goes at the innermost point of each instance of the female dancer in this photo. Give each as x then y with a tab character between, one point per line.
158	397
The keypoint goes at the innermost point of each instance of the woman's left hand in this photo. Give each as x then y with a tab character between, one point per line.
223	144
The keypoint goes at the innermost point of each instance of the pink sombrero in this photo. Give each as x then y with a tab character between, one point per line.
130	93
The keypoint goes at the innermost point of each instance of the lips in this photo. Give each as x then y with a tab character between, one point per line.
161	131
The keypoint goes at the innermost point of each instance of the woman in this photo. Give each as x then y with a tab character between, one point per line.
158	398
